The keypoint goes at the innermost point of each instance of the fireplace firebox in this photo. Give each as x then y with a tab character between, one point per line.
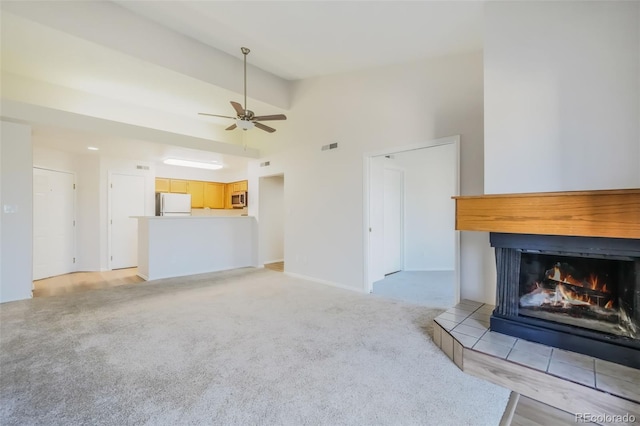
576	293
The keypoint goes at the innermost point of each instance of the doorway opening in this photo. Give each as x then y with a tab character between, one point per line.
411	246
271	216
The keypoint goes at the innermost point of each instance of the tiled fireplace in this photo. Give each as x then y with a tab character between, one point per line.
576	293
568	278
568	268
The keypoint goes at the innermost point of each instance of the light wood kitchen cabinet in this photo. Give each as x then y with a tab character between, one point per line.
240	186
214	195
163	185
228	189
196	189
178	186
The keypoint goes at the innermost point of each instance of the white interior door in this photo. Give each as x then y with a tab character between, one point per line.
53	223
127	199
393	205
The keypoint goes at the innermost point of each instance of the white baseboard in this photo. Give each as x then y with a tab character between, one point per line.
272	261
329	283
428	270
144	277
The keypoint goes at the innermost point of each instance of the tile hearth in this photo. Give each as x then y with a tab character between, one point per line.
466	327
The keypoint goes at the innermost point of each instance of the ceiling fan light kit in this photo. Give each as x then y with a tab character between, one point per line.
245	118
245	124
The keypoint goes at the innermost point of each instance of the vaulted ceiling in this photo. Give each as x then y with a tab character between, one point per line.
153	65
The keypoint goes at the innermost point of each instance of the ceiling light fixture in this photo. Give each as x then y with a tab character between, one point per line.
92	148
245	124
196	164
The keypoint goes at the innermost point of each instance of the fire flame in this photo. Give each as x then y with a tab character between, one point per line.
596	284
593	282
562	290
571	297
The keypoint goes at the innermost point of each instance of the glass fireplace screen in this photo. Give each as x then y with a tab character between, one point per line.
578	291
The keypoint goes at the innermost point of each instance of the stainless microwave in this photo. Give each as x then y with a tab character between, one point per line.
239	200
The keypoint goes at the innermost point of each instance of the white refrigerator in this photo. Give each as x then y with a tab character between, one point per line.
173	204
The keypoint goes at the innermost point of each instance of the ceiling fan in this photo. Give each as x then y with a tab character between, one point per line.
245	118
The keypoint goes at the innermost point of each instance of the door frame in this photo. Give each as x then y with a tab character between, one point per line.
402	200
260	254
109	212
75	214
367	284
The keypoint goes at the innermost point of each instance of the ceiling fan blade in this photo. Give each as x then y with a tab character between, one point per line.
216	115
238	108
233	126
265	128
270	117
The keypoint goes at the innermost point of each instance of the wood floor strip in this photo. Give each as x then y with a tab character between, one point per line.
275	266
529	412
510	409
553	391
83	281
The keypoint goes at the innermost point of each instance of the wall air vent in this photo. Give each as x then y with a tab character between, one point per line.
330	146
139	167
265	164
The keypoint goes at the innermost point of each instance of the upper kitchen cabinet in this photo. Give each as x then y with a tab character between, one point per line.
196	189
241	186
163	185
214	195
178	186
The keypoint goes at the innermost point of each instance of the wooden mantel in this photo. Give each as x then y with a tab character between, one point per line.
606	213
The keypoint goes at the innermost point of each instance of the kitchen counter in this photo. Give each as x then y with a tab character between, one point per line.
173	246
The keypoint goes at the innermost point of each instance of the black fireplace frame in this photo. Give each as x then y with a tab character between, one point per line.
506	319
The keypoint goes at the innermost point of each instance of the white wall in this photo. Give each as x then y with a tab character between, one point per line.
562	96
429	211
16	188
364	112
271	222
88	214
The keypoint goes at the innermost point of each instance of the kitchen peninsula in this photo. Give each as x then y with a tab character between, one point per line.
174	246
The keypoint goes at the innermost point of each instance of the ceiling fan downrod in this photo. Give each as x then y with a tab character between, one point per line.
245	51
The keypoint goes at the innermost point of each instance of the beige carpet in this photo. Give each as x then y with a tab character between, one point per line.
244	347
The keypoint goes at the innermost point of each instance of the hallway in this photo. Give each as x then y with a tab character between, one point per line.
428	288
